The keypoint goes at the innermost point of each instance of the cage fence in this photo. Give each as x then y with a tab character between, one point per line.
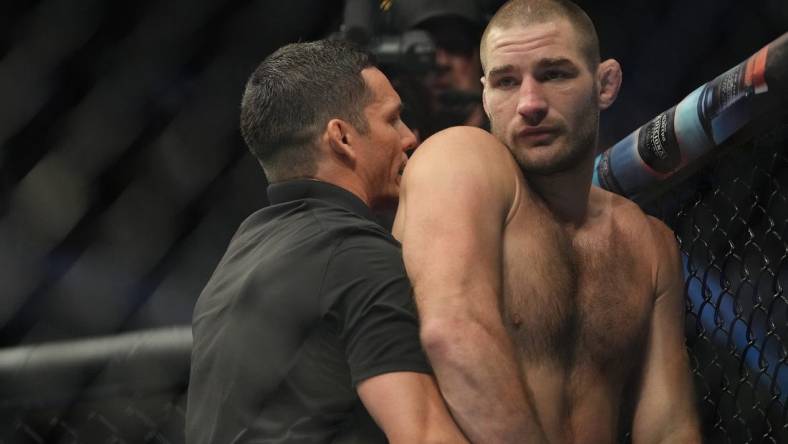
730	219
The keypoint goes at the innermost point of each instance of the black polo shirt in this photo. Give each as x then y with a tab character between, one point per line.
310	299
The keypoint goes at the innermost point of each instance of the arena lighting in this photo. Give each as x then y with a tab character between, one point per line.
724	112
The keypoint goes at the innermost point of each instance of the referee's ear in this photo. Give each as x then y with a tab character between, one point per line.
339	136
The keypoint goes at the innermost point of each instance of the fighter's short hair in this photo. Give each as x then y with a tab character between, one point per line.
528	12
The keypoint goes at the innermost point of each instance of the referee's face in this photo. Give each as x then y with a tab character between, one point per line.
382	156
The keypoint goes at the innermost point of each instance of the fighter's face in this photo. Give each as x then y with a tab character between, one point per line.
383	157
541	96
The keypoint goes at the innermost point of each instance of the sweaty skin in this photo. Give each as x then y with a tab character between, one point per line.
551	310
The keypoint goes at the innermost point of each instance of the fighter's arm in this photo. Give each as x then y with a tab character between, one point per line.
409	408
371	306
454	201
665	409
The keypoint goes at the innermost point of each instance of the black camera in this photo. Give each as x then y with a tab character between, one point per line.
372	25
413	41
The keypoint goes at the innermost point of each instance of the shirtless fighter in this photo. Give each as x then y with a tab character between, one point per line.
551	310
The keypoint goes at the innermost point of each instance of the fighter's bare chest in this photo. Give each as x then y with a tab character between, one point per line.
586	296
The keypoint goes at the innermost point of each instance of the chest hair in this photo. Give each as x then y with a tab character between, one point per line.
574	298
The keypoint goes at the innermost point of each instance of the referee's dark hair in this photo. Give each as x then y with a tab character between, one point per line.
293	94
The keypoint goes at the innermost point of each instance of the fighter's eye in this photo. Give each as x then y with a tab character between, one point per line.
555	74
505	82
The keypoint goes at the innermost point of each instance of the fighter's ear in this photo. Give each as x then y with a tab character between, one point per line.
484	95
340	136
608	77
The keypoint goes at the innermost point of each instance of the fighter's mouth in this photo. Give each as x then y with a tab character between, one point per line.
537	131
538	136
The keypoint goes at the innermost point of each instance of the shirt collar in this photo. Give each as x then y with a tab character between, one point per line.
297	189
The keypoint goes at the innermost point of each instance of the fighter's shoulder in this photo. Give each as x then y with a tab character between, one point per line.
645	229
461	162
462	147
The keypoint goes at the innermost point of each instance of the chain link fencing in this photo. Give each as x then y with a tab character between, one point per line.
732	229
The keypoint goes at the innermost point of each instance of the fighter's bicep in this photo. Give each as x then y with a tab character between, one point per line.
666	402
452	212
667	325
666	411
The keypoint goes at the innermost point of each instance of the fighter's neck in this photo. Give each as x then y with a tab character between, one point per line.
567	194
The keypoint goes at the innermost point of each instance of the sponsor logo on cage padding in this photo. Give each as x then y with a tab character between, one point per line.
657	144
605	174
